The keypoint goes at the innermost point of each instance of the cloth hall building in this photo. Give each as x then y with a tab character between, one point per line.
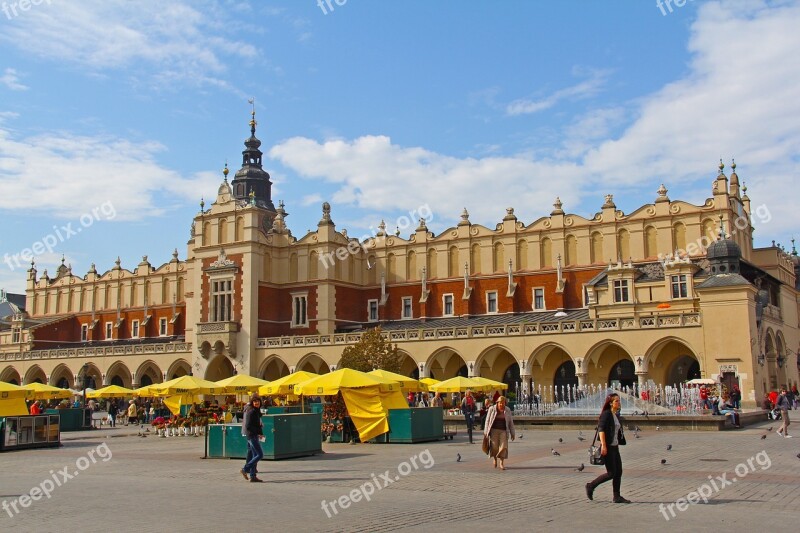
669	292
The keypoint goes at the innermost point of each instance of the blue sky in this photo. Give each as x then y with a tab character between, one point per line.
117	116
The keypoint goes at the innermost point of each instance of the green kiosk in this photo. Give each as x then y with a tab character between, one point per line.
29	431
287	435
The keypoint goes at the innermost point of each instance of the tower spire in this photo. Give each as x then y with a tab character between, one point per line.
252	177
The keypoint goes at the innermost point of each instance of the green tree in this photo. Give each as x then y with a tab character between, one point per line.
370	352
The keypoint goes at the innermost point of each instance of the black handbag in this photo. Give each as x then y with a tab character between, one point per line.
621	437
595	454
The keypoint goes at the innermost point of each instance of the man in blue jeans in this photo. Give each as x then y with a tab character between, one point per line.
253	429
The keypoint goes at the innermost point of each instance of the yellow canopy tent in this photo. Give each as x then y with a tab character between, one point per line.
12	400
285	385
407	383
344	378
369	409
146	392
429	381
459	384
112	391
368	398
40	391
491	383
186	385
240	384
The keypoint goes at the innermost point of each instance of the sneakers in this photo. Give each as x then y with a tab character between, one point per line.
780	433
589	491
256	480
244	474
788	436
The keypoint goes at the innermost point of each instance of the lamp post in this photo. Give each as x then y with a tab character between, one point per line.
84	369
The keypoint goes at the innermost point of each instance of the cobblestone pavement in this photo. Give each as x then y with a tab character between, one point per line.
155	484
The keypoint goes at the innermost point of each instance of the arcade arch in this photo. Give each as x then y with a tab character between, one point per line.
446	363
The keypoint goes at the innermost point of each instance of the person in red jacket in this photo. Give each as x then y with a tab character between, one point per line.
36	409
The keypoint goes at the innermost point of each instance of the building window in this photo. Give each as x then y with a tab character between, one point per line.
221	298
679	286
84	332
491	302
372	310
586	296
135	329
447	305
15	335
621	291
162	327
299	310
538	299
407	309
109	331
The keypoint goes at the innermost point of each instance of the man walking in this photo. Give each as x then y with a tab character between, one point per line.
783	405
468	407
253	429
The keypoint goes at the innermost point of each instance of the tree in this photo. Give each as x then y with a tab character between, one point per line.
372	351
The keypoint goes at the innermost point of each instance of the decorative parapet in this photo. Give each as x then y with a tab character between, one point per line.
98	351
507	330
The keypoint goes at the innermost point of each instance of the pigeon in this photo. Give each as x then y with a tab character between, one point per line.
669	447
580	433
763	437
798	455
520	435
560	439
636	435
663	461
458	457
770	428
581	438
637	428
554	452
658	428
580	468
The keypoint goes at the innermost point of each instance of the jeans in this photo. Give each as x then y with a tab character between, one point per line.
254	454
470	419
613	471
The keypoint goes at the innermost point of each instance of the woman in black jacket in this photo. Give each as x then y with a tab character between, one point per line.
611	436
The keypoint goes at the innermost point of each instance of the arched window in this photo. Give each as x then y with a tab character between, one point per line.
411	265
522	254
222	236
597	248
679	236
313	265
452	261
650	241
571	250
431	264
623	244
498	257
475	259
546	250
293	267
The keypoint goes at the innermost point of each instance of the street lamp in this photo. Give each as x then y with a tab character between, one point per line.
780	360
84	370
761	359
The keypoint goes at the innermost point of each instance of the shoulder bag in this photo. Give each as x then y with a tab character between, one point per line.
595	455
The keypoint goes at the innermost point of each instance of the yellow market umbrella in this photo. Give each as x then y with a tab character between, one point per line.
491	383
407	383
429	381
112	391
186	385
459	384
9	391
147	391
344	378
240	384
285	385
40	391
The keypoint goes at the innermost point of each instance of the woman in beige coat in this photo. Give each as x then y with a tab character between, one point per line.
499	426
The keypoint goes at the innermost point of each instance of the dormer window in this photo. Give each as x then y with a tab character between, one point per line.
621	291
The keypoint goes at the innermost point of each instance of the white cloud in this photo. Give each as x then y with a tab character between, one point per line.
72	174
182	42
11	80
736	100
584	89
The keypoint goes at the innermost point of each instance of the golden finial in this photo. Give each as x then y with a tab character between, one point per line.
225	170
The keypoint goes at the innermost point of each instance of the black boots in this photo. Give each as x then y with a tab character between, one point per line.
590	491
